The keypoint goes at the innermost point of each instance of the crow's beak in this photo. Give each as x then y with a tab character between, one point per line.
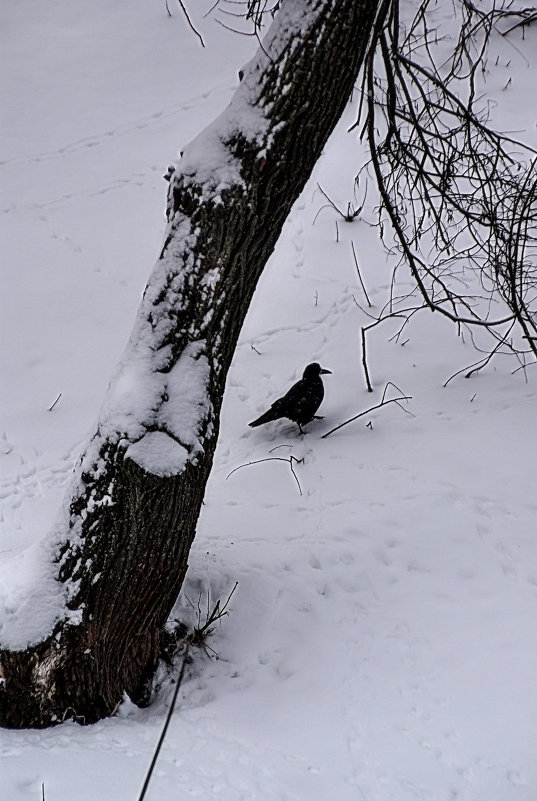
326	372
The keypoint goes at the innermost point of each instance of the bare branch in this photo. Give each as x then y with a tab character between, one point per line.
461	198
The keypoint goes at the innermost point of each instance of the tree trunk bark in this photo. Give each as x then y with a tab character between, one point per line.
121	549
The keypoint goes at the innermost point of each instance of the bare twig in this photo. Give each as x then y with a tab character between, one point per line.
529	15
289	461
364	360
115	709
348	216
475	368
383	402
185	12
212	616
50	408
360	275
71	713
404	312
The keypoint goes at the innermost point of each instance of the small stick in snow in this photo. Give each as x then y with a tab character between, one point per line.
50	408
360	275
351	213
383	402
475	368
289	461
387	313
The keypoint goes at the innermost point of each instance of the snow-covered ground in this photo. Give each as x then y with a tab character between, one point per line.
382	640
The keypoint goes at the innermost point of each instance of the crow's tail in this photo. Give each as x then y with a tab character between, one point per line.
271	414
265	418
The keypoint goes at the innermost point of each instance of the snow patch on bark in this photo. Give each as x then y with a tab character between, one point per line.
180	418
159	454
133	392
187	405
208	159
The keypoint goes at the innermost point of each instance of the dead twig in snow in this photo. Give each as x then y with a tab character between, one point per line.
360	275
289	461
205	627
50	408
384	402
348	216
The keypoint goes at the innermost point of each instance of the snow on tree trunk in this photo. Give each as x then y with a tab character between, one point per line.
90	629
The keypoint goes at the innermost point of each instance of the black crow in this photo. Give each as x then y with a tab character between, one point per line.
302	400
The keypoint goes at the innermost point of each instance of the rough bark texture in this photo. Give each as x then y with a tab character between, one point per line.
123	555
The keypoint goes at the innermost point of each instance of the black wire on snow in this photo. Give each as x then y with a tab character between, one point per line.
165	727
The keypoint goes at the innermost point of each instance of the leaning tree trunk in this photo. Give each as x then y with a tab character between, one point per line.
121	549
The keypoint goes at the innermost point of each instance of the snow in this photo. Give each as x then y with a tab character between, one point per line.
381	643
158	453
166	452
30	595
187	402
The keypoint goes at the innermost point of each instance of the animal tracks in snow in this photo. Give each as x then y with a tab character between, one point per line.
103	137
31	477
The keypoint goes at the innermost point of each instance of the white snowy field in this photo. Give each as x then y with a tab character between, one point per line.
382	640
